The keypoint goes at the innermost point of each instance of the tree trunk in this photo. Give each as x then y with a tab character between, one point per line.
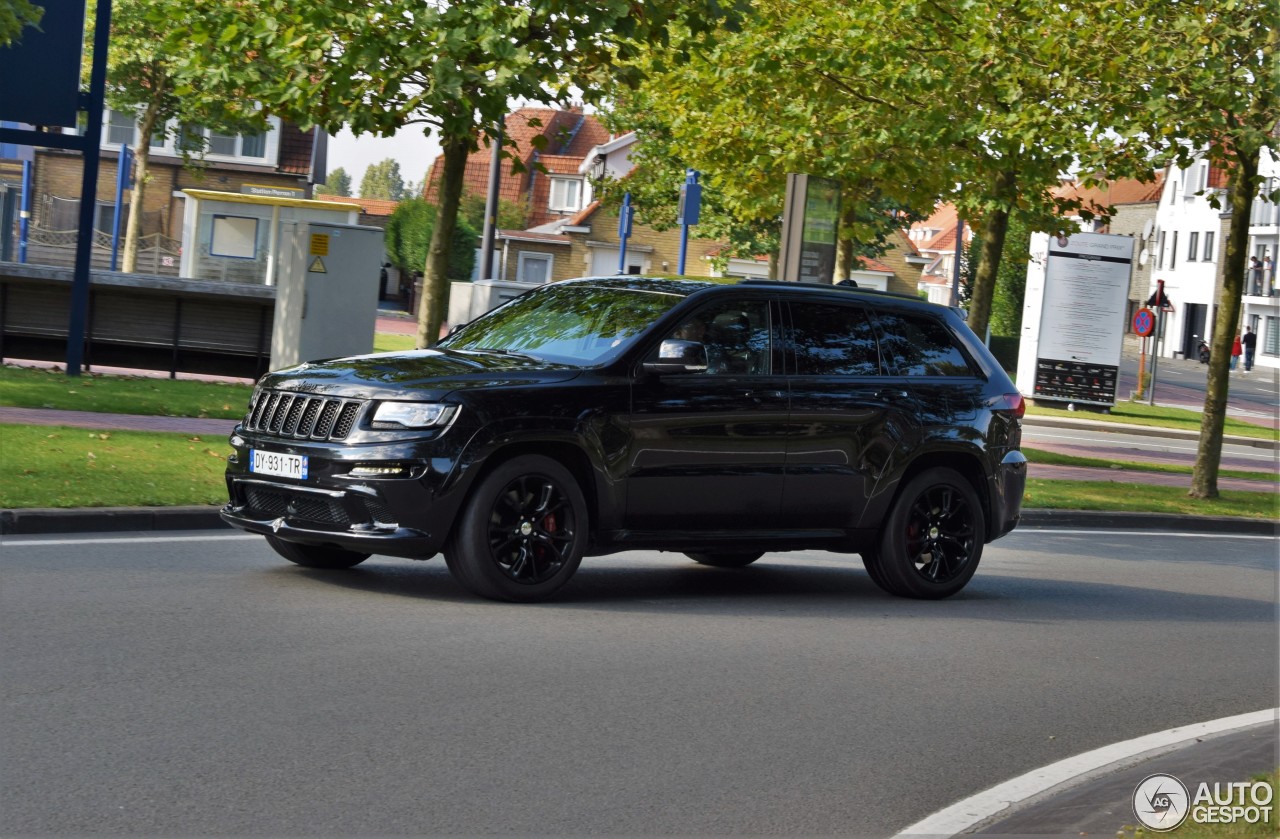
142	163
845	261
435	281
1243	185
995	226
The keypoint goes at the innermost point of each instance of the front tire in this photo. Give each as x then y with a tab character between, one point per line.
740	559
522	533
932	540
316	556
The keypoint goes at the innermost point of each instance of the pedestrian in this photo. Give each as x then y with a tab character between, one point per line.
1255	274
1249	342
1268	276
1236	349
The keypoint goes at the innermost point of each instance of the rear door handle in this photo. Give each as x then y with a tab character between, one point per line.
893	394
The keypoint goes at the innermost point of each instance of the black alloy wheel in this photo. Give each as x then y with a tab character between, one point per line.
522	533
932	539
729	559
316	556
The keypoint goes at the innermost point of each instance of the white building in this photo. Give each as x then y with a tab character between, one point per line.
1187	251
1261	290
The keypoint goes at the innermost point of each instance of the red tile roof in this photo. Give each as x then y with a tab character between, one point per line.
569	134
368	206
295	150
1115	193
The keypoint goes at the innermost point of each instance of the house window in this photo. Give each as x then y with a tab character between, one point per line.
1271	340
253	145
1173	192
1208	247
533	268
1162	234
1173	251
1202	176
120	128
1193	248
565	194
223	144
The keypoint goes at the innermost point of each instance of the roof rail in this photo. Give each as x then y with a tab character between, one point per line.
844	285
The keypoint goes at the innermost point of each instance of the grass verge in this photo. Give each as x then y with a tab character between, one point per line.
28	387
391	342
1056	459
1137	413
1113	496
58	466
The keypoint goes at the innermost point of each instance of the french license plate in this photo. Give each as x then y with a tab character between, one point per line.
277	464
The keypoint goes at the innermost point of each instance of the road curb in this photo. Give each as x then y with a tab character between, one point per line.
108	519
38	521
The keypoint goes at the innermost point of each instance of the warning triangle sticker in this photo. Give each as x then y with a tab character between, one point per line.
317	266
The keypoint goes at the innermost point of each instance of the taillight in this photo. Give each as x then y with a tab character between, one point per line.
1011	403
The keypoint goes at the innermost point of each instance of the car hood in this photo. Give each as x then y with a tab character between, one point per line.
419	374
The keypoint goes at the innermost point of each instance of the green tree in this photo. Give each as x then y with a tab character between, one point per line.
14	15
168	85
982	105
1204	78
338	183
512	215
451	67
1011	280
382	180
409	232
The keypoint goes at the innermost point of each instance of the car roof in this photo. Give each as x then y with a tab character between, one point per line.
685	286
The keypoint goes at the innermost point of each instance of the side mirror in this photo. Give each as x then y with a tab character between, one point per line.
676	356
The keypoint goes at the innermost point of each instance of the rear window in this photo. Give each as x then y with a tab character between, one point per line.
833	340
918	345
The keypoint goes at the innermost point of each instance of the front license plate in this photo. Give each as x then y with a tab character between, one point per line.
278	465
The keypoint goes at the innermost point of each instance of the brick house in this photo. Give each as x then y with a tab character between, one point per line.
556	194
282	160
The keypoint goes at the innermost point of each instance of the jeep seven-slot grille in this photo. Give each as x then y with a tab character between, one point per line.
302	417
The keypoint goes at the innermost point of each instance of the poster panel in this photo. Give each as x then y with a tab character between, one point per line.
1082	318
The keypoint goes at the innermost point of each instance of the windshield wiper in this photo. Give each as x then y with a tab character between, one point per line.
495	351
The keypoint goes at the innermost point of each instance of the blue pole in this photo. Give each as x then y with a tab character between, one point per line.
79	314
690	205
624	231
123	166
24	216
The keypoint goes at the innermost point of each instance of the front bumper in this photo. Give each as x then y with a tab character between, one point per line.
409	514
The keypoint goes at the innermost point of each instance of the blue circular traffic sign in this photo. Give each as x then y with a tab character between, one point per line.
1144	322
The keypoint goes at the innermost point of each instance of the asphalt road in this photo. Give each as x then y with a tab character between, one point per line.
195	684
1181	382
1087	442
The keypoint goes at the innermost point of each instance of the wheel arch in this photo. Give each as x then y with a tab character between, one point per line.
969	465
568	455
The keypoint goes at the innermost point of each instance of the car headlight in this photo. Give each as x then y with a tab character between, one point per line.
391	415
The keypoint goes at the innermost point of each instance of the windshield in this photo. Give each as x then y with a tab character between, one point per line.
575	323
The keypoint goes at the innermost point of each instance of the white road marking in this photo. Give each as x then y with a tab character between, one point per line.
124	540
976	808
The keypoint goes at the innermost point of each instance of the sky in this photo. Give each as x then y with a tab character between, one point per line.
414	152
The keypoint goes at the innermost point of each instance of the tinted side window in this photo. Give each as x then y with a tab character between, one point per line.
735	334
833	340
918	345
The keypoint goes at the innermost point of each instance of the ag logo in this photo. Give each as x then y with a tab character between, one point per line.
1161	802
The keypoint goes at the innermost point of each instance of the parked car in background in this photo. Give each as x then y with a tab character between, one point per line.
723	421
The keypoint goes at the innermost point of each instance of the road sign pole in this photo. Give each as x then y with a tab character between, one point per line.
1159	340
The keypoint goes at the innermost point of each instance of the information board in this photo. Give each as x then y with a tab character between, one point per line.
1082	318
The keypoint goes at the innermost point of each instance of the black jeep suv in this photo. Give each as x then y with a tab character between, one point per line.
599	415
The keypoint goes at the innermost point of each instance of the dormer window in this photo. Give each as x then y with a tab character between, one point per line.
566	195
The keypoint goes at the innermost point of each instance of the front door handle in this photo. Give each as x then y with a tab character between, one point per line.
893	394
